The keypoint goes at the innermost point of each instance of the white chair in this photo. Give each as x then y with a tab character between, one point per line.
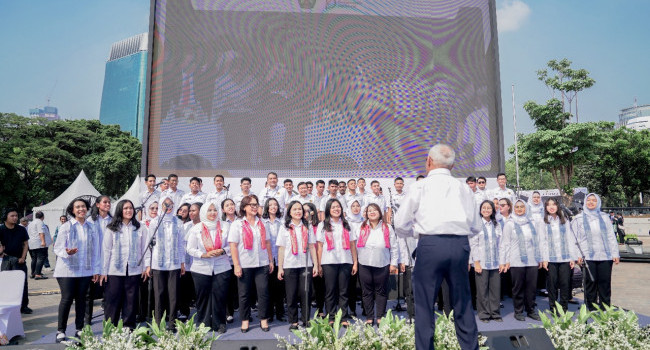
11	322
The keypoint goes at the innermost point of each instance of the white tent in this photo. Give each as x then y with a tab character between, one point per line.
54	209
132	194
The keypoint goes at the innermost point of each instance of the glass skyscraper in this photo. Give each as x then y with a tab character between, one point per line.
123	96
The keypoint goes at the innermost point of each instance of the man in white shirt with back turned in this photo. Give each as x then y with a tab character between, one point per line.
440	211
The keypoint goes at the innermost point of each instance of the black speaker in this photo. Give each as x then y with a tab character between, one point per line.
257	344
519	339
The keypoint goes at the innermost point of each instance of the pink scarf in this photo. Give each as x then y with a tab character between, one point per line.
248	234
365	232
329	237
207	240
294	239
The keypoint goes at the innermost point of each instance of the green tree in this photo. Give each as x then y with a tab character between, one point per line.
566	80
549	116
530	178
559	151
47	156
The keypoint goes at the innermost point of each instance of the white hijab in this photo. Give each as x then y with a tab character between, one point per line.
521	219
353	217
203	214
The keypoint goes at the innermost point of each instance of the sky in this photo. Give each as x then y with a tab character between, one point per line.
58	50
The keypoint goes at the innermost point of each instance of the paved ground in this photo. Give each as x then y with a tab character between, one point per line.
630	286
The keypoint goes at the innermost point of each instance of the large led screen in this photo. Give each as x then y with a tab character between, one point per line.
322	88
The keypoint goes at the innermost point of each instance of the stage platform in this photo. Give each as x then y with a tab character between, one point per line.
282	328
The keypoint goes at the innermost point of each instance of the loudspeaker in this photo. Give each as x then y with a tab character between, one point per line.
257	344
519	339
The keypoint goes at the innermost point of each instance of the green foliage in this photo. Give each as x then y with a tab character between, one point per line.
42	158
530	178
549	116
566	80
154	336
620	169
392	333
610	328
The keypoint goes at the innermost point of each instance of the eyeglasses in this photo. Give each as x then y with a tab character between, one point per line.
481	182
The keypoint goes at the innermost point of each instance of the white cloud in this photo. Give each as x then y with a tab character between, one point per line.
511	15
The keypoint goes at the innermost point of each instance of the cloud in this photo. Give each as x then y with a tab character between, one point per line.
511	15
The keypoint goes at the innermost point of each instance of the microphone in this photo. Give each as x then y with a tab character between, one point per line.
158	184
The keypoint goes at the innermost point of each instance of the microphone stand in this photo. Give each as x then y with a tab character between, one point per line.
141	207
398	305
150	245
582	253
307	279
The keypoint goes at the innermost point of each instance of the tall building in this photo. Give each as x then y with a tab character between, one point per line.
632	112
123	96
47	112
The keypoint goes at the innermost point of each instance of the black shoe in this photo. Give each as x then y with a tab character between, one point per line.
498	319
534	316
520	317
222	329
485	320
60	336
245	330
264	329
293	327
26	310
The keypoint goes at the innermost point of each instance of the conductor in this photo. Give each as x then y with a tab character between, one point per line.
440	211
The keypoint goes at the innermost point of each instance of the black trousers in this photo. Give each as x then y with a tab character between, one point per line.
72	289
407	291
318	293
559	277
294	281
121	295
524	285
277	294
211	296
443	257
599	291
254	277
444	299
488	294
336	278
165	290
38	259
354	292
23	267
374	287
143	305
186	293
95	291
621	235
233	296
472	285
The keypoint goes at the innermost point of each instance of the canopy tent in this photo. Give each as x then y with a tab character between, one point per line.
54	209
132	194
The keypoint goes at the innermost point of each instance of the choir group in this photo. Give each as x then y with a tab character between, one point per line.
224	252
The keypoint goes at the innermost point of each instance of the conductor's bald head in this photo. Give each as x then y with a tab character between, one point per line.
440	156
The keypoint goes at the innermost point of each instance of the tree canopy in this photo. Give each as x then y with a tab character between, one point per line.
42	158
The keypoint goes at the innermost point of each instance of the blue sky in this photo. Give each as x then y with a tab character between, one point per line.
60	48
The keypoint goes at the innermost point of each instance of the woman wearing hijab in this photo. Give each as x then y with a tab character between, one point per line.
124	243
378	257
598	243
250	247
207	244
78	250
560	252
355	218
521	254
296	253
536	207
485	256
337	256
152	213
167	262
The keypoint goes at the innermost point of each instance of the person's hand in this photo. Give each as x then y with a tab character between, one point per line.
147	272
280	273
21	261
144	276
580	261
72	251
355	268
95	278
102	279
545	265
315	271
572	264
402	268
238	271
182	269
617	260
43	245
393	269
477	267
271	267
